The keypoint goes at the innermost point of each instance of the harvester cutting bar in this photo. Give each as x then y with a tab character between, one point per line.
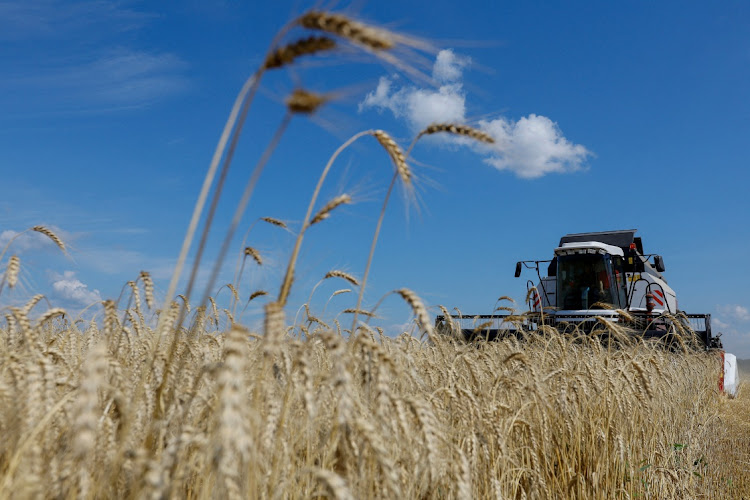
492	326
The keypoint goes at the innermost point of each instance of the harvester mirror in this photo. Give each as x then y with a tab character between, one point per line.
659	263
518	269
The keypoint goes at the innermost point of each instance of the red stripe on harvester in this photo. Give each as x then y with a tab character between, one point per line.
660	294
658	301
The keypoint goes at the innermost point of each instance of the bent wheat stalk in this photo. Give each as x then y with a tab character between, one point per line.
403	171
286	285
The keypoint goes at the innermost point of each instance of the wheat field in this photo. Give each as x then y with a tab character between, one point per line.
185	402
90	412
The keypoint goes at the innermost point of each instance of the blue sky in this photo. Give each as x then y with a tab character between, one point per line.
608	116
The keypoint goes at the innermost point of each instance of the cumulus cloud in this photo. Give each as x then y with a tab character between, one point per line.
532	147
735	311
72	290
529	147
448	66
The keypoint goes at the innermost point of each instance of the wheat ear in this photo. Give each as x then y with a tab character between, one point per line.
457	129
254	254
148	288
335	273
11	271
396	154
351	310
325	212
254	295
419	310
354	31
274	222
51	235
288	53
33	302
305	102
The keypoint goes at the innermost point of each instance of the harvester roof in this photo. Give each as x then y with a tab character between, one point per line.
621	238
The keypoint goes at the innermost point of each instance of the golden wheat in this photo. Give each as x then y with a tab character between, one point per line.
326	210
305	102
254	254
457	129
396	154
336	273
349	29
11	270
51	235
288	53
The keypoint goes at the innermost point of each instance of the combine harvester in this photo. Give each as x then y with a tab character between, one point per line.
595	277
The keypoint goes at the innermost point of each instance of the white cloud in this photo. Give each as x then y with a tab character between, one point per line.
419	107
735	311
71	290
449	67
530	147
423	106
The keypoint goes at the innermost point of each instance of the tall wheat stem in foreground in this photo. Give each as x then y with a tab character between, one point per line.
243	100
249	188
402	170
276	58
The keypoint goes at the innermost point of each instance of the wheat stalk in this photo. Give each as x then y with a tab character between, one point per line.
86	411
234	439
288	277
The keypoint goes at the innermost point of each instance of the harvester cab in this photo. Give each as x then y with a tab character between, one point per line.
595	272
